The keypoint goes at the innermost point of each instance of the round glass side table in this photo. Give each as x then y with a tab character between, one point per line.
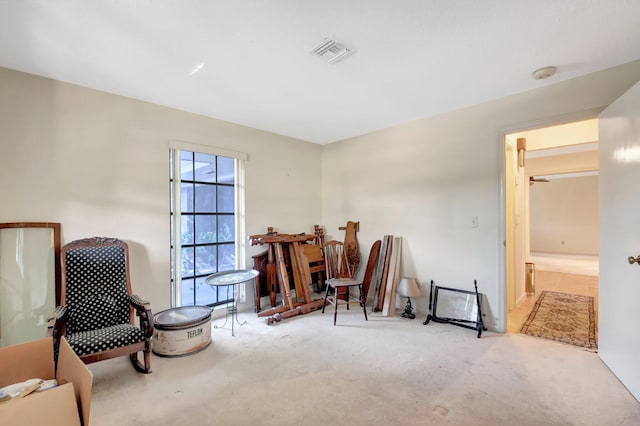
231	279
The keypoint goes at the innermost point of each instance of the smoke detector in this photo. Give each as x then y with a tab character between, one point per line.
330	50
543	73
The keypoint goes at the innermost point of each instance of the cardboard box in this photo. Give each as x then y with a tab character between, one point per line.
67	404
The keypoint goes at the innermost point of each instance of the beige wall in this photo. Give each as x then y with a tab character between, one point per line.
564	212
98	163
564	216
564	163
426	180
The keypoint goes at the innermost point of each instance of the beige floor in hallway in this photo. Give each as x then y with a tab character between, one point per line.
387	371
573	274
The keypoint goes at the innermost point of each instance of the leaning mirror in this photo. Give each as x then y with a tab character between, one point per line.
456	306
29	279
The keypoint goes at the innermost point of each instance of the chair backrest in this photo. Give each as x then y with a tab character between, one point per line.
95	283
313	253
336	260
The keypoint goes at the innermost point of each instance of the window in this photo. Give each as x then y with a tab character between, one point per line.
203	225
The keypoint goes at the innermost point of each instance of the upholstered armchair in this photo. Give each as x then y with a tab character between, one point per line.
97	312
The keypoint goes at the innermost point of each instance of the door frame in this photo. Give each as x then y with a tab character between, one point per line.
503	293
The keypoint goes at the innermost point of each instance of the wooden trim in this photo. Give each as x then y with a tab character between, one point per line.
56	227
207	149
114	353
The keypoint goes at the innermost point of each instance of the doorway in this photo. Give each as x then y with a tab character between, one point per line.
557	235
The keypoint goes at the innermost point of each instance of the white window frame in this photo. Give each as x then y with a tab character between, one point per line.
240	240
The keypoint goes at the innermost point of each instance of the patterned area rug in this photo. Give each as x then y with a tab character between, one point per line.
567	318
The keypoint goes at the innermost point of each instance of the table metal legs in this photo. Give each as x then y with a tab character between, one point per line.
231	310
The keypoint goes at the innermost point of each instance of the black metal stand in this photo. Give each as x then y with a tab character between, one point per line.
231	310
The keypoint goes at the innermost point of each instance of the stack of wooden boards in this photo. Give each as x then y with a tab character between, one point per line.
386	276
301	301
305	257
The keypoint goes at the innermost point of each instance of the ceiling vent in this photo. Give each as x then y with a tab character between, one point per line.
330	50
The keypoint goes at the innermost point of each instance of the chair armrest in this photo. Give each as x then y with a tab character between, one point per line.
56	321
143	311
138	302
59	313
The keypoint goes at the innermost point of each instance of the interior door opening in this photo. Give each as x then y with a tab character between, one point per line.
556	233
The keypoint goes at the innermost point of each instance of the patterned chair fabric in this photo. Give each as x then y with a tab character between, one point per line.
103	339
96	317
97	295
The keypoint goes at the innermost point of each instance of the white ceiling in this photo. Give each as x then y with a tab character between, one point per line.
411	58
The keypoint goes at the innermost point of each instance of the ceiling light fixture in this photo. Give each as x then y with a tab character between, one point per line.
330	50
543	73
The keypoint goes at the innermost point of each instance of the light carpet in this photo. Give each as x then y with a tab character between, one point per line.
567	318
385	371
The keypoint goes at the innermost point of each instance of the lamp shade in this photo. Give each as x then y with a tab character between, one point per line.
408	287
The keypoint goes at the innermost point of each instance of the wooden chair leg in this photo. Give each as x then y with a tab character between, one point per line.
363	303
326	294
348	296
147	357
146	368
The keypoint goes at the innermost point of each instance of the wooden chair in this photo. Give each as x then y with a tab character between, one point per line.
317	268
335	260
341	286
96	314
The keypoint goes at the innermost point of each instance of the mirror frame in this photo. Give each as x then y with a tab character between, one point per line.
55	227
